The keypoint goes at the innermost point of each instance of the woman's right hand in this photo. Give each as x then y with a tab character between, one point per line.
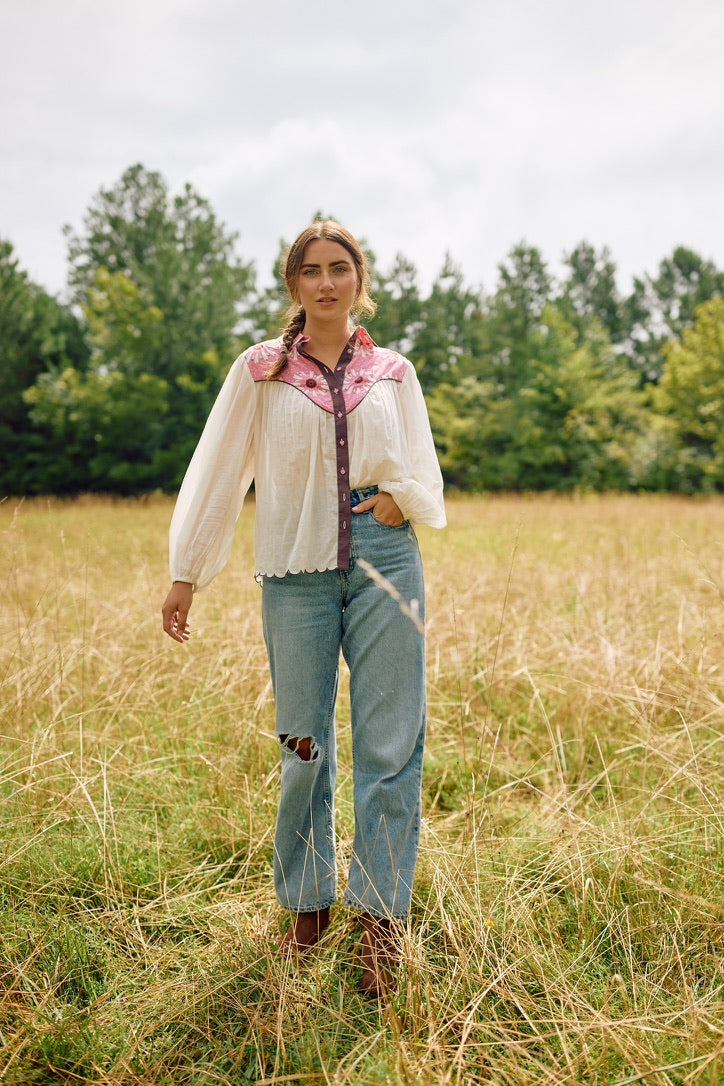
176	610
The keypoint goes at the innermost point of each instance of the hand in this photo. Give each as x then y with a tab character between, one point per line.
386	509
176	611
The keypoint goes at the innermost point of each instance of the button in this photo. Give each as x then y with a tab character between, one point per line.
358	380
311	383
344	496
344	523
342	471
341	441
339	414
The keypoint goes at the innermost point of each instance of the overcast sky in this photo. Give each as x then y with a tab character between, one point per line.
425	126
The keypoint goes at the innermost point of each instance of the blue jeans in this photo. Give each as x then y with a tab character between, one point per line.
308	618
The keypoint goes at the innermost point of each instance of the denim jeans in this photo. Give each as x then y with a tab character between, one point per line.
308	618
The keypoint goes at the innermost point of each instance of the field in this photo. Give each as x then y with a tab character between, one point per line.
568	917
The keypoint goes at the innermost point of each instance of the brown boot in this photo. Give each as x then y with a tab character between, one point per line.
305	932
378	957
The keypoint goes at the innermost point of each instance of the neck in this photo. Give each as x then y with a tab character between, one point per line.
327	338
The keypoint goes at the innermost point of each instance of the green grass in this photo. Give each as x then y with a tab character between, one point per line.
568	920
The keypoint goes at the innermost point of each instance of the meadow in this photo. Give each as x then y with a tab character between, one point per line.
568	915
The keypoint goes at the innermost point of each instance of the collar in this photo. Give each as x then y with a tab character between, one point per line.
360	340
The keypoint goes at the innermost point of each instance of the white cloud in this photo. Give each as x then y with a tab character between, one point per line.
425	125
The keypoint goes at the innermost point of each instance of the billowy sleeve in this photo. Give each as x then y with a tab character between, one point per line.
418	490
216	483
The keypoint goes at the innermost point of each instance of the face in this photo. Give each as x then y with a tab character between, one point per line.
327	284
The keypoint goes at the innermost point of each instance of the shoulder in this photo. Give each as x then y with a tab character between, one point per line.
383	362
261	357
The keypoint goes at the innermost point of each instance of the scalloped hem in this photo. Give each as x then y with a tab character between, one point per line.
260	574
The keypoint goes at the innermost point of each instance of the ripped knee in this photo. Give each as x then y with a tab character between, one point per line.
306	748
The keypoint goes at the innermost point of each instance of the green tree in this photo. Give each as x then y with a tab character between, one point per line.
107	429
398	319
690	400
111	423
162	290
124	333
582	413
447	337
575	421
37	334
513	315
524	288
589	292
111	419
174	249
472	422
660	307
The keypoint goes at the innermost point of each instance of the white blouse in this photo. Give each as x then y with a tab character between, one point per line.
306	439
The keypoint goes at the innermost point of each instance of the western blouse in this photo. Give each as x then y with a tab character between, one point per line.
306	438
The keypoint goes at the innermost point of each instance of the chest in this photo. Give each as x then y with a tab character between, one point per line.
290	421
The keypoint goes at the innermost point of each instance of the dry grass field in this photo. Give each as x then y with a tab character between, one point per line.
568	917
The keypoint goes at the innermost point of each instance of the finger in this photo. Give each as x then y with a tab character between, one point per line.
174	626
367	504
179	635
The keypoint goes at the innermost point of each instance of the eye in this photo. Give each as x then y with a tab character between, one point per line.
341	269
310	272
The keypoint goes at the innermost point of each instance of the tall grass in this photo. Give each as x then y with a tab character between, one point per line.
567	924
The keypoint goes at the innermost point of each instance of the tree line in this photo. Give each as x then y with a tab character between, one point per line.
546	382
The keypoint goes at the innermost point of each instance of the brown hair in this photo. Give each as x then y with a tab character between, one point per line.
330	231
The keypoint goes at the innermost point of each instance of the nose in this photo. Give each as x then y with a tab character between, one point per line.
326	283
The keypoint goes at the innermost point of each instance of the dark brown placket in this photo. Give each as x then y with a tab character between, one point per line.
335	381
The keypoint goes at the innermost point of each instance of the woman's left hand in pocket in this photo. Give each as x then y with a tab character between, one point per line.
383	507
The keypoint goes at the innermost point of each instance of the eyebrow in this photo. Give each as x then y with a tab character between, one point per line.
332	264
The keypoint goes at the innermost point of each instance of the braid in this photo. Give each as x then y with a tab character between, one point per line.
292	330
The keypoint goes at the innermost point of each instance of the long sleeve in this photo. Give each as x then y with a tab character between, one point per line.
418	492
216	482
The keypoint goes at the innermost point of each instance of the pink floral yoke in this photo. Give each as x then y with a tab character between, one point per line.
367	365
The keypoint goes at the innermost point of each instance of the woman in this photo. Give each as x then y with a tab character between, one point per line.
335	434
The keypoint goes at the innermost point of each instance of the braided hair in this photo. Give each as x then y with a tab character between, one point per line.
296	317
295	323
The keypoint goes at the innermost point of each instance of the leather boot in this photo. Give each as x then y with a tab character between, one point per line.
379	956
305	932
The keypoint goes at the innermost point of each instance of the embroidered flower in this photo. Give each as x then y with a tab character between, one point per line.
303	377
359	380
307	378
